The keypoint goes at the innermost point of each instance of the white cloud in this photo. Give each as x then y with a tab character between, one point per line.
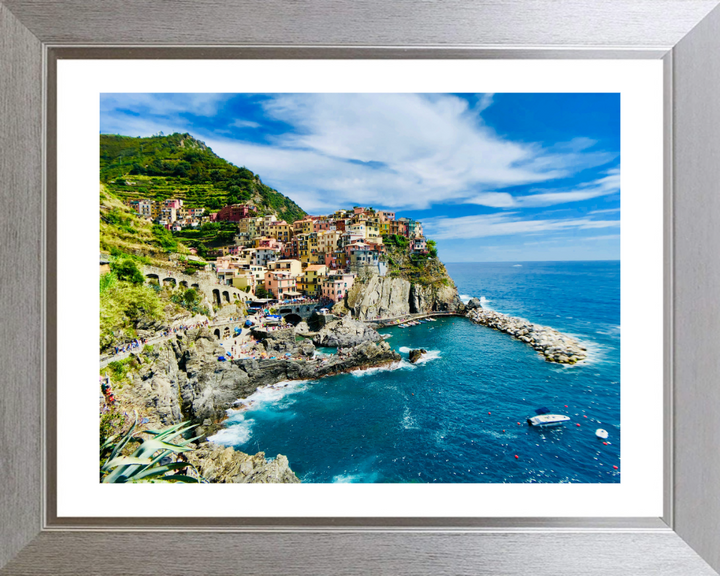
608	184
505	224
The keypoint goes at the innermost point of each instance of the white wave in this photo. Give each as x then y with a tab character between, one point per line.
237	434
354	478
404	349
427	357
402	365
272	393
517	265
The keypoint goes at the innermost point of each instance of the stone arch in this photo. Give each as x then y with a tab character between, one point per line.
286	311
184	284
217	333
226	296
226	332
216	296
170	280
293	319
153	278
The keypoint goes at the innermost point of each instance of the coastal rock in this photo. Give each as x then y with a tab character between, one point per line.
415	355
553	345
436	298
302	328
473	304
183	379
345	332
221	465
379	297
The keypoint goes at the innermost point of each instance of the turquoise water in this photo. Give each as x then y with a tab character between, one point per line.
454	418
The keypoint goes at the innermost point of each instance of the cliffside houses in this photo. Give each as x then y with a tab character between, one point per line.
316	257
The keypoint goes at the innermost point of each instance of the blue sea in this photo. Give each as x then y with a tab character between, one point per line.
460	416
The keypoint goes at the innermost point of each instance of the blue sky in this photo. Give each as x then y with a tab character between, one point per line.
493	177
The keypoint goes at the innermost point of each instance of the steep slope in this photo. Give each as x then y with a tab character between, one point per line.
180	166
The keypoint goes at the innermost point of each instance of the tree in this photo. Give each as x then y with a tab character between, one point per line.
128	271
432	248
260	292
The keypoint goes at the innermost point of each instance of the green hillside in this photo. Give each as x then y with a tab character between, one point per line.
179	166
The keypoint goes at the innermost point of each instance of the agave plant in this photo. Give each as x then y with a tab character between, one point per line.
144	465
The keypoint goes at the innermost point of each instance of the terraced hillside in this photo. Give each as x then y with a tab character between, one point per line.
180	166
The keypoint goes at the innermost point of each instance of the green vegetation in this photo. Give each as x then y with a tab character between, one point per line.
190	300
126	270
144	464
261	292
426	270
179	166
165	238
122	304
126	236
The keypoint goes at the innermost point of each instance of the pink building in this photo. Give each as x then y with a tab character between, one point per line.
336	287
279	283
173	203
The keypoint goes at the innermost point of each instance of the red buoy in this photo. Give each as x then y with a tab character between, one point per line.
516	456
519	424
489	413
615	467
577	424
565	405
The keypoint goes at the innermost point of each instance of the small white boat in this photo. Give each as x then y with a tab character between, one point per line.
544	419
548	420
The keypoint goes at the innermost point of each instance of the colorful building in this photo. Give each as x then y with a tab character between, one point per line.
336	286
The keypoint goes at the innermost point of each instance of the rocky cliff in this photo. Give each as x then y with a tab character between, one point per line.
346	332
182	379
388	297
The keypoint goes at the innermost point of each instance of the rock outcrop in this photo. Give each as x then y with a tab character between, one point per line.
436	298
415	355
385	297
345	332
553	345
379	296
473	303
218	464
183	378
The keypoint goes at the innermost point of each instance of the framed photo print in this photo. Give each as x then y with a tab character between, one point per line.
372	306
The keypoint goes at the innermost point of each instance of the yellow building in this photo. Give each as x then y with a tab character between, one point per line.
311	280
281	231
304	226
327	240
245	282
308	248
294	267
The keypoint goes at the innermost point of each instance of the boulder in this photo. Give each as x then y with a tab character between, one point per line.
415	355
345	332
474	303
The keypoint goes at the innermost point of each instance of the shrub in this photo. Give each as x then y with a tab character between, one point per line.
128	271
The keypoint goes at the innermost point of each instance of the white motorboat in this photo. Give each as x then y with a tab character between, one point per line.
545	420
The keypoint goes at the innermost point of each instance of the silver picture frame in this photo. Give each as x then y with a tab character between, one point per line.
684	34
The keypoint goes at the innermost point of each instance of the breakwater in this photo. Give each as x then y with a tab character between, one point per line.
553	345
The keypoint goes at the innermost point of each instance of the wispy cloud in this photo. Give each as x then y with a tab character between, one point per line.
608	184
506	224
